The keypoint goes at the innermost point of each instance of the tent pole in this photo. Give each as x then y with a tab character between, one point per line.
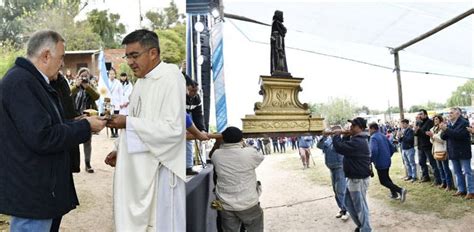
399	84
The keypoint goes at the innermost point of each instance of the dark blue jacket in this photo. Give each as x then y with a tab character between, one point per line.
380	151
332	159
35	176
408	139
458	140
356	162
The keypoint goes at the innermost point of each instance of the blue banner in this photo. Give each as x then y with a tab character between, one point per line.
218	76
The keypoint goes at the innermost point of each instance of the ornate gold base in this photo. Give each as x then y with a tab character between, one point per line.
281	112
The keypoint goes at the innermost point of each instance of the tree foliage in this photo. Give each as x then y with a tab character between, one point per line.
9	54
106	25
166	18
462	95
14	12
78	35
172	44
336	111
428	106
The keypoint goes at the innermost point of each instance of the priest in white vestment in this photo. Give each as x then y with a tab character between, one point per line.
149	187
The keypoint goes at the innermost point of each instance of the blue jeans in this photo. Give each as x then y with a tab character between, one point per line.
18	224
356	202
189	154
445	172
462	170
339	186
409	160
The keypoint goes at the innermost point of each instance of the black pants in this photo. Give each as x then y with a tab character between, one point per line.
385	180
115	130
423	154
275	148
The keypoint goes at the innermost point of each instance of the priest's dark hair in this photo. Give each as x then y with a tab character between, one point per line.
146	38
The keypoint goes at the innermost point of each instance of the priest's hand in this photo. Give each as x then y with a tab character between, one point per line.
111	159
117	121
96	123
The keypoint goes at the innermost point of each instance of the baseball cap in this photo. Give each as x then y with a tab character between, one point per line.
360	122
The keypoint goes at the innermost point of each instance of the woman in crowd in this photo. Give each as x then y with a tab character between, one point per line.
439	147
127	90
116	96
85	94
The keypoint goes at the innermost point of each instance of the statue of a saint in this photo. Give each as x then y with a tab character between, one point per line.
278	65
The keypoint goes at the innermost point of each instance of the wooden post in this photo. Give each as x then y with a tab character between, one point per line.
399	84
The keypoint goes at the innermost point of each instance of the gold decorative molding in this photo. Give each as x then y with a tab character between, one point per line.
281	111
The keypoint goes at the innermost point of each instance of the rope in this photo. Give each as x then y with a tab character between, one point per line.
298	202
351	59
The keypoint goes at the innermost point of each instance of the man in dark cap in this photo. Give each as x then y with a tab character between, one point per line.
354	147
237	187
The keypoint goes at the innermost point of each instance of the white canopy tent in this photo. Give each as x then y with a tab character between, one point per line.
354	37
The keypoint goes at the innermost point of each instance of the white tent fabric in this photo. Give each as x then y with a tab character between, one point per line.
363	31
357	31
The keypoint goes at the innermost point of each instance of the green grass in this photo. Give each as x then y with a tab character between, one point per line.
421	197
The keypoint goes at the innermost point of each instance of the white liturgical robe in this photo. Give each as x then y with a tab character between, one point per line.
149	188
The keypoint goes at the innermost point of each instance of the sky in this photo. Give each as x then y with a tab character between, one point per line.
247	53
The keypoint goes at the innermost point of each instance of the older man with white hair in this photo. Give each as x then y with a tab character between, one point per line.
36	184
458	140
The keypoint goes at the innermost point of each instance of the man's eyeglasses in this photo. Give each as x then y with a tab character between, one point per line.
134	55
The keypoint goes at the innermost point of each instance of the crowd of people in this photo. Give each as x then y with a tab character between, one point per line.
43	123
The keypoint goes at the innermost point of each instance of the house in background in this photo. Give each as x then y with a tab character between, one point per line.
74	60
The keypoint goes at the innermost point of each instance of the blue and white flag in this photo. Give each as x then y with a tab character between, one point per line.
218	76
103	81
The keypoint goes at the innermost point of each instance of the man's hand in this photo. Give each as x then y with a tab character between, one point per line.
117	121
429	133
96	123
111	159
470	129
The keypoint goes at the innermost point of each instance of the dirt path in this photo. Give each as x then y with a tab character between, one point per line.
314	210
282	186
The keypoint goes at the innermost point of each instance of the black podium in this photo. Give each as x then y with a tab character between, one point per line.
199	215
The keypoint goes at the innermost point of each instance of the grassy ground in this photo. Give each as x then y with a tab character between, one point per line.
3	222
421	198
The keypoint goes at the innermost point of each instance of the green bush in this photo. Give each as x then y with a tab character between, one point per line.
7	60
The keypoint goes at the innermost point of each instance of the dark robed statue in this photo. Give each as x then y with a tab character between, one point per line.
278	65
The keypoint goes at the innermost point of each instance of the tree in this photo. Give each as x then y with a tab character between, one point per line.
415	108
336	111
7	59
362	110
10	19
172	45
462	95
14	12
78	36
107	27
166	18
